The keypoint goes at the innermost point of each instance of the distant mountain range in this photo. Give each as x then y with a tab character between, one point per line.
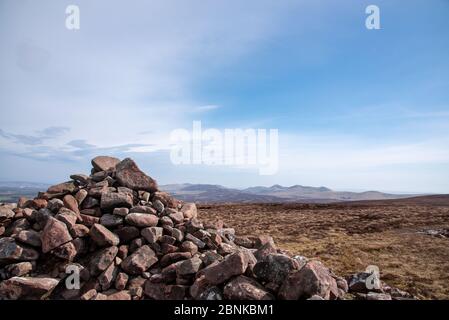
275	193
208	193
24	185
10	191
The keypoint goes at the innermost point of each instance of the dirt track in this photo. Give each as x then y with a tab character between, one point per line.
348	238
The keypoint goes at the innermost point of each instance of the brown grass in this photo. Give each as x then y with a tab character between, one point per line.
348	238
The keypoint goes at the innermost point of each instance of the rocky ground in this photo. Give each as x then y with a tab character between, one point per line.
407	239
113	235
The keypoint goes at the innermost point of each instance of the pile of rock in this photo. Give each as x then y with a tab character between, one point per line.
120	238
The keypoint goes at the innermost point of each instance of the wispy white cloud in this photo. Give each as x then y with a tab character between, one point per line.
39	136
108	89
206	108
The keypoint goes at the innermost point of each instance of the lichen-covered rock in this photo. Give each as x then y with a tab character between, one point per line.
233	265
29	237
104	163
363	282
139	261
71	203
6	213
244	288
273	269
111	200
189	266
129	175
18	269
102	259
11	252
54	234
313	279
102	236
142	220
27	288
65	187
189	210
152	234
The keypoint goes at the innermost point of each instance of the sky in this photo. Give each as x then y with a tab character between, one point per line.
355	109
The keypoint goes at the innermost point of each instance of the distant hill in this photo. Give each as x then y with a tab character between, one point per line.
298	192
11	191
280	189
215	193
275	193
427	200
24	185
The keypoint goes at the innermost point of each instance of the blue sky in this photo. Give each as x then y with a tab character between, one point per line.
356	109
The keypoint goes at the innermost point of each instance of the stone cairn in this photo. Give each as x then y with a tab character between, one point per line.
126	240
